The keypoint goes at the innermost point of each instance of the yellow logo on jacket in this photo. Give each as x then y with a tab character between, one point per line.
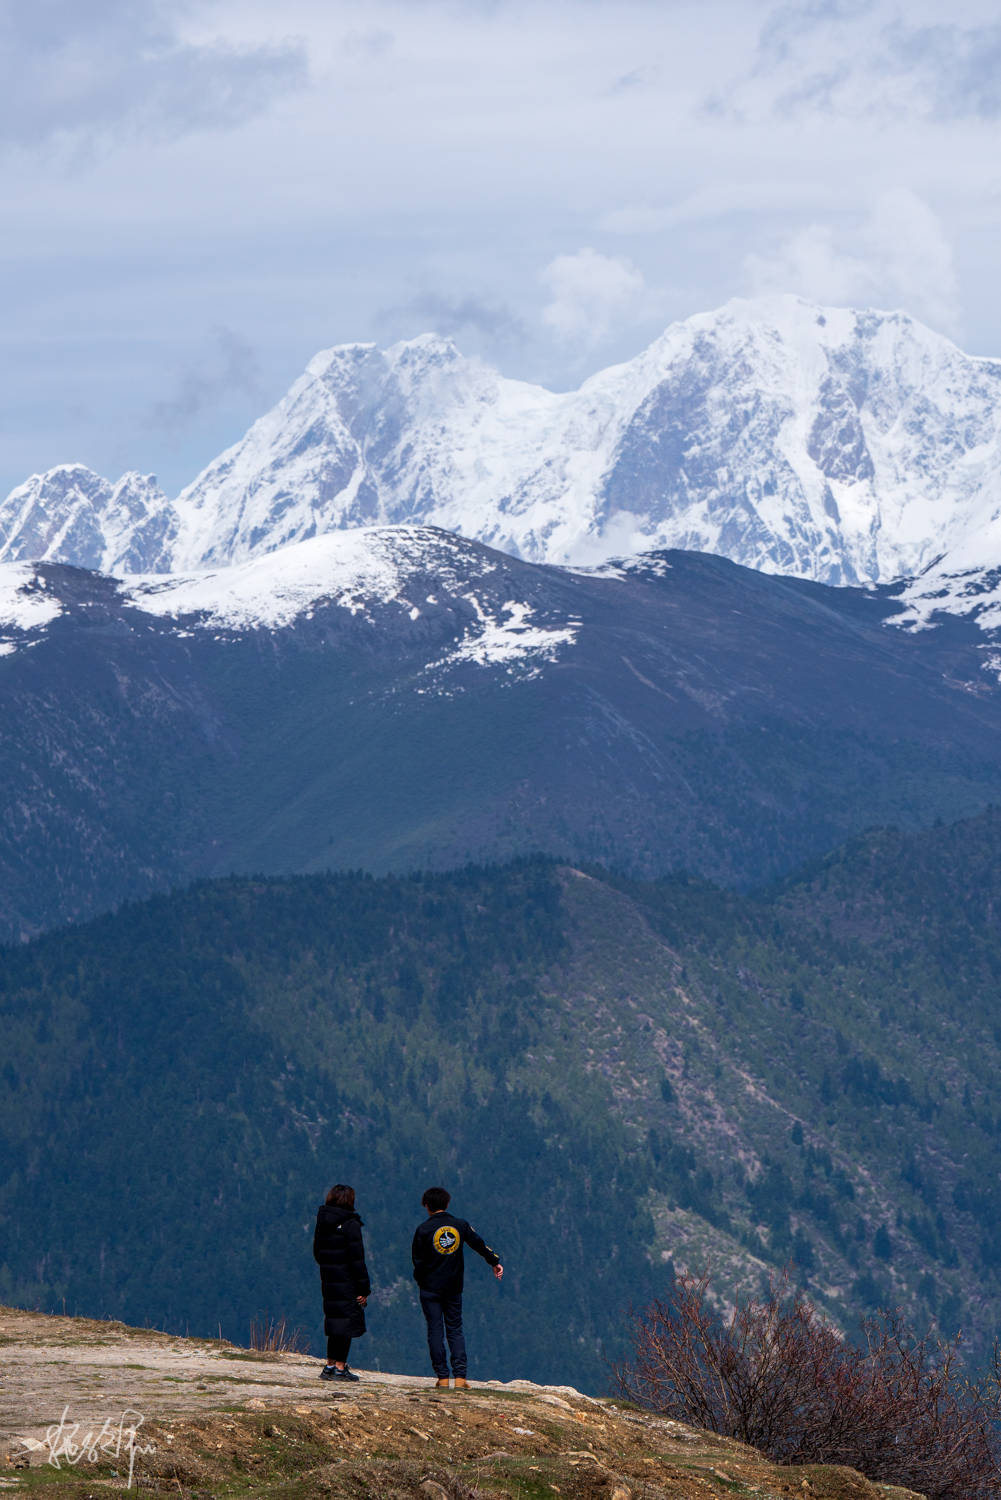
446	1240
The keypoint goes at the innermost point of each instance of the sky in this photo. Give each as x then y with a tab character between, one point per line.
198	195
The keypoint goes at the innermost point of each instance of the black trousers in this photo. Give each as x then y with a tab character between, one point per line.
444	1319
338	1345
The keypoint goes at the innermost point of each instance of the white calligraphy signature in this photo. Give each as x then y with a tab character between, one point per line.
71	1443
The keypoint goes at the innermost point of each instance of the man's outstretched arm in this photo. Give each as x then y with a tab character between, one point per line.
475	1242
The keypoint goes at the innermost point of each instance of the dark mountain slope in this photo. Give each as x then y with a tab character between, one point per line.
608	1074
183	1082
685	713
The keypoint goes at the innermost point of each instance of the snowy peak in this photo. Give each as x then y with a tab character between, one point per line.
70	514
824	443
827	443
357	570
845	446
455	604
429	578
55	513
428	351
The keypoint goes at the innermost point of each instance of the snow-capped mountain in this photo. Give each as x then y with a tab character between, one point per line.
369	573
70	514
824	443
389	698
469	604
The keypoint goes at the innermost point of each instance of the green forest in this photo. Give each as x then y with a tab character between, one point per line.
612	1078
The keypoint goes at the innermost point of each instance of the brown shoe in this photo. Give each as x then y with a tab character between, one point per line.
442	1383
461	1383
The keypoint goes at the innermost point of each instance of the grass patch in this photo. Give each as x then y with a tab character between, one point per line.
514	1478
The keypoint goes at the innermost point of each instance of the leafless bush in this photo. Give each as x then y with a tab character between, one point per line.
777	1376
273	1336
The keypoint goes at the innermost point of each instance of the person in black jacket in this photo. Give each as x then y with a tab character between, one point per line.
438	1272
340	1254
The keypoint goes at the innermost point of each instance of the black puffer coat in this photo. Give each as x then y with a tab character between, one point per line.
340	1254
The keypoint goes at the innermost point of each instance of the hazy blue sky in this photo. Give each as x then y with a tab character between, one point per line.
199	194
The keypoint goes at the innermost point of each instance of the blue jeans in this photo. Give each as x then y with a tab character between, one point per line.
444	1319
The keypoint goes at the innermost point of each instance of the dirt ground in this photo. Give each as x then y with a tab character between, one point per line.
89	1408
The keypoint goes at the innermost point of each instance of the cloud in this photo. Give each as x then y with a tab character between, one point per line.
725	197
231	368
960	67
637	218
810	263
915	257
648	76
789	25
80	74
899	256
860	59
375	41
451	317
591	294
436	175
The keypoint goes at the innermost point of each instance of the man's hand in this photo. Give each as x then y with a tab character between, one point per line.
499	1272
362	1301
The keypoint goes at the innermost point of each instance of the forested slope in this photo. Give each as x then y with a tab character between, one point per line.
607	1074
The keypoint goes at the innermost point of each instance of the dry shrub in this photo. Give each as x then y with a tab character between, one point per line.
273	1336
777	1376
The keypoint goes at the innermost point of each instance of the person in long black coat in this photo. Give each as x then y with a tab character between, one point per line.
339	1252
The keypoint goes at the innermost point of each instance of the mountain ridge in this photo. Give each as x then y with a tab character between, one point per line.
842	445
406	698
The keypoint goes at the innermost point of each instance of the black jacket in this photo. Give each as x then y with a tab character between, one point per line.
340	1254
437	1253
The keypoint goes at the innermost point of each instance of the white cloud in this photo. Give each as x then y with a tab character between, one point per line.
869	58
899	255
97	73
638	218
915	257
810	263
230	367
407	163
591	294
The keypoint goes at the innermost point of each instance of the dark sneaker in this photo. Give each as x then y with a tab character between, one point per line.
346	1374
329	1373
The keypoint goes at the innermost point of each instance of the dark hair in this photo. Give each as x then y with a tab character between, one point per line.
435	1199
341	1196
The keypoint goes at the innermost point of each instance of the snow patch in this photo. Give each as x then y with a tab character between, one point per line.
965	581
510	639
25	603
621	568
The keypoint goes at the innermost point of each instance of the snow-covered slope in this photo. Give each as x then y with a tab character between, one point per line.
829	444
825	443
469	605
965	581
26	606
70	514
356	570
403	697
361	571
